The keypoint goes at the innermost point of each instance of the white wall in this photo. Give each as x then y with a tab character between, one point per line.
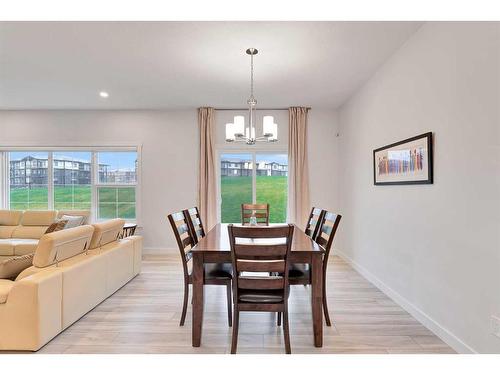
169	152
434	248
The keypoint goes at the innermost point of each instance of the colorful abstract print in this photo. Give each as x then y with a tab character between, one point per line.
402	161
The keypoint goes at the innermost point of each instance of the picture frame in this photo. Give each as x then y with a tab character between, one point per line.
407	162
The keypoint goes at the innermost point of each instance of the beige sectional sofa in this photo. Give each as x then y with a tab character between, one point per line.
20	231
73	271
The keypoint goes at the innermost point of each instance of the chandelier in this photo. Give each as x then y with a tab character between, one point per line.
237	132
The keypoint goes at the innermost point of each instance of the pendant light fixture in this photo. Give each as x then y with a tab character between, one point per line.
238	132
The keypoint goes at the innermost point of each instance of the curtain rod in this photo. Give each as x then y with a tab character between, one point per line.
257	109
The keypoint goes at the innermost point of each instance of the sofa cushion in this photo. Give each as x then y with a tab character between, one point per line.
84	213
10	268
56	225
10	217
7	230
72	221
24	246
6	247
5	287
106	232
57	246
32	231
38	218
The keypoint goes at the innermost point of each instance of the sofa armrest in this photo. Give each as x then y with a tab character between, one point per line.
137	241
31	316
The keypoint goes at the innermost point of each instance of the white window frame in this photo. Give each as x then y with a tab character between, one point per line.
5	173
96	184
253	152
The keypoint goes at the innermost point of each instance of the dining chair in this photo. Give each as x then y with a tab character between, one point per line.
260	211
299	272
256	252
313	222
300	275
194	223
214	273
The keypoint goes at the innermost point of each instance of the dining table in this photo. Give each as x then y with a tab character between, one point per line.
215	248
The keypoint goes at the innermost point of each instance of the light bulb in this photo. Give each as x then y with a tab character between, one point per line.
229	132
239	125
274	131
268	122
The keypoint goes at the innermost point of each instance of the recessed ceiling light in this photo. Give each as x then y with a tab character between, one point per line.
103	94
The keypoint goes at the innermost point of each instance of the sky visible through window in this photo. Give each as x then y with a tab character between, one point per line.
18	155
278	158
120	160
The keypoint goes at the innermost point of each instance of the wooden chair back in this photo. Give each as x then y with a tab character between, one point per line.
260	250
195	225
183	236
314	221
260	211
328	227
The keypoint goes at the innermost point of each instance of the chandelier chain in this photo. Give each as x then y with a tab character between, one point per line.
251	76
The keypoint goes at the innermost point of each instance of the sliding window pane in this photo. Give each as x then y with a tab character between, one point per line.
116	202
236	185
28	173
72	180
118	168
271	184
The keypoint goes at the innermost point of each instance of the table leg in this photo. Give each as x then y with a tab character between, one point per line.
197	307
317	298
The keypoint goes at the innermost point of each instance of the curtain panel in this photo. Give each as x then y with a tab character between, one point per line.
207	185
298	170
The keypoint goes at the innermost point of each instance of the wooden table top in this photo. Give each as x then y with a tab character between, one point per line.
217	239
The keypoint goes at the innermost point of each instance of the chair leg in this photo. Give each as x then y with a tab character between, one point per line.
234	341
229	305
325	303
286	332
184	305
279	318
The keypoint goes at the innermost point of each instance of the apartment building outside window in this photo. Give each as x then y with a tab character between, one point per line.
104	182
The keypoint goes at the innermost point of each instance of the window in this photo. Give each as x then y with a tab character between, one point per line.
253	178
116	202
104	182
116	196
72	180
235	185
271	185
28	180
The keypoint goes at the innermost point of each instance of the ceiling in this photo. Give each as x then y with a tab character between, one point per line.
176	65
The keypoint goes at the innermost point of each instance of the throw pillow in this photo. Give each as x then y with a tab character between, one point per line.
10	268
56	225
73	221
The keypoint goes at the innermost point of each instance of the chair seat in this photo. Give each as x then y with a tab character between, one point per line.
299	271
260	295
218	271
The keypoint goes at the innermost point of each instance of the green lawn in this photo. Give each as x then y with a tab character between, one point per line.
113	202
238	190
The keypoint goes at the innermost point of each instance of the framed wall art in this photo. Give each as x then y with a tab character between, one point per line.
406	162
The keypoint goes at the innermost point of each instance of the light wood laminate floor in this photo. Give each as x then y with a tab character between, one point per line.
143	317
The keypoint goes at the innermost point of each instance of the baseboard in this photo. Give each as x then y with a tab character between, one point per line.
440	331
